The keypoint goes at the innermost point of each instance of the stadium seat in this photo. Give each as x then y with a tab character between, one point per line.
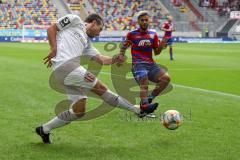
124	11
36	12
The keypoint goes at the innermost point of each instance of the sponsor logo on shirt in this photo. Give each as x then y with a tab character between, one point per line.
144	42
64	22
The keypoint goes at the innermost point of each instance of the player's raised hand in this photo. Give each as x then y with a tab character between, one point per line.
119	59
163	43
47	59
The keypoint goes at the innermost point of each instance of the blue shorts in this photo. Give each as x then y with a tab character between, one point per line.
170	41
146	70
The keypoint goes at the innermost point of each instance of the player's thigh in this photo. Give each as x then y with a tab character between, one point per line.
76	95
170	42
100	88
156	73
80	78
78	100
78	83
140	73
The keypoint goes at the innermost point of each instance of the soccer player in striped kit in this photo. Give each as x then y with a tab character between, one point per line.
168	28
143	42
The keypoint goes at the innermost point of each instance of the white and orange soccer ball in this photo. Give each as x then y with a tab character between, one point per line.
171	119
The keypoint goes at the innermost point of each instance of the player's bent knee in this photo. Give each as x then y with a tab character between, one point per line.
144	87
99	88
79	108
165	78
79	115
143	81
79	112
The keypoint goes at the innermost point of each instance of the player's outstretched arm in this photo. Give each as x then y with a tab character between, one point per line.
121	58
124	46
52	33
106	60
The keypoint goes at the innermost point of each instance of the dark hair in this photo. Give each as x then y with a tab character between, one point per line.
142	13
95	17
145	14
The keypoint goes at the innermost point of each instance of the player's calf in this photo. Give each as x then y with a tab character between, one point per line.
162	83
112	98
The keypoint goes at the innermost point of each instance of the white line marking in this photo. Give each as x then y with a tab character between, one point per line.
192	88
204	69
208	91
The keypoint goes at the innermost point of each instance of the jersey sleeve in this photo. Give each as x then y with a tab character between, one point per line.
67	21
90	51
155	41
129	37
127	42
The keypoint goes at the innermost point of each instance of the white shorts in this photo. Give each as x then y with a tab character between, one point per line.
78	82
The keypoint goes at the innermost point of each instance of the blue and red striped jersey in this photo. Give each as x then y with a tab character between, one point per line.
142	45
169	26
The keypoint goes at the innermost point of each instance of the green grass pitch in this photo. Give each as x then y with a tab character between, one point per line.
206	91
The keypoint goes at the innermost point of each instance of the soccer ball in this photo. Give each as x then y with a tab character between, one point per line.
171	119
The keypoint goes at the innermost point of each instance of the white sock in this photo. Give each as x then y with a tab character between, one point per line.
118	101
62	119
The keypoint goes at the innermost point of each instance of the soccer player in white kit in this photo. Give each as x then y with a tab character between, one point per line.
68	40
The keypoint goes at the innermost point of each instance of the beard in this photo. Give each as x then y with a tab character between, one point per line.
90	33
90	36
144	27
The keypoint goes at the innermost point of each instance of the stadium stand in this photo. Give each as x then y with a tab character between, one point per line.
194	10
216	13
223	7
235	31
119	14
16	13
191	18
184	19
77	7
226	28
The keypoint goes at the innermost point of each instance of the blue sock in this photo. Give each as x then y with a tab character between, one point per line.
144	101
171	53
152	96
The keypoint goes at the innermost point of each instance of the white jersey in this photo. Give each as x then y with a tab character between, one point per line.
72	40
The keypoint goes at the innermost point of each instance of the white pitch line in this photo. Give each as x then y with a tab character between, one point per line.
204	69
192	88
208	91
